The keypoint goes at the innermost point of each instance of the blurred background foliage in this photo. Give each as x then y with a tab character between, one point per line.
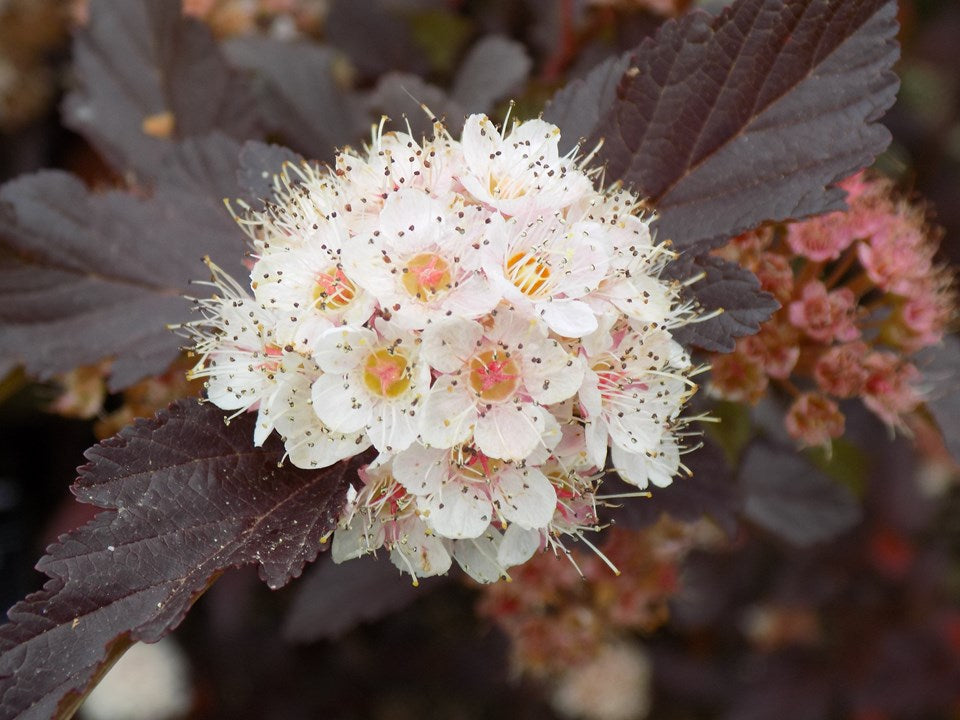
702	624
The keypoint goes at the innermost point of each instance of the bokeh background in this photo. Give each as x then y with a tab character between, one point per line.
734	626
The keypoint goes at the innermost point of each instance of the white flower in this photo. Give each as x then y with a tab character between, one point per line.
393	161
382	515
542	266
372	381
500	379
419	262
478	312
309	443
307	288
461	491
242	363
632	393
520	171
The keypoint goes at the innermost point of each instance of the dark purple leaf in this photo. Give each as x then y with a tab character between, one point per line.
709	490
205	169
259	163
494	68
375	35
578	107
785	494
147	75
332	599
187	497
298	95
727	287
86	276
941	366
725	122
401	98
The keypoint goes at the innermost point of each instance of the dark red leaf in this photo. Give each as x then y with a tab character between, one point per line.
187	497
494	68
332	599
729	288
578	107
146	75
376	35
785	494
86	276
725	122
298	96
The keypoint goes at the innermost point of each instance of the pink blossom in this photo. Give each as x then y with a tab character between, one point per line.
921	320
889	390
775	275
776	347
738	377
823	238
840	370
825	316
813	420
858	188
898	255
744	248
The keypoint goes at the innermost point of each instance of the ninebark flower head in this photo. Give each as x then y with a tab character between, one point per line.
861	291
479	313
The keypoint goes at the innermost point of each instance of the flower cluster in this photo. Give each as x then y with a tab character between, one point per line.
861	291
556	622
478	313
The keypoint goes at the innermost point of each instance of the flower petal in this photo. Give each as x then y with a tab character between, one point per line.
339	349
448	345
526	497
518	546
335	404
459	510
569	318
510	431
478	557
421	470
449	414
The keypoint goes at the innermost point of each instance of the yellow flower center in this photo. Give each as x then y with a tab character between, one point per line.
528	272
385	373
426	274
494	375
505	189
333	290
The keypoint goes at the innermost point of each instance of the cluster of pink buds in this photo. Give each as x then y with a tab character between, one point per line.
556	621
860	291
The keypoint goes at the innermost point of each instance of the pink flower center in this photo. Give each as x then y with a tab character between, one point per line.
333	290
426	274
385	373
494	375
